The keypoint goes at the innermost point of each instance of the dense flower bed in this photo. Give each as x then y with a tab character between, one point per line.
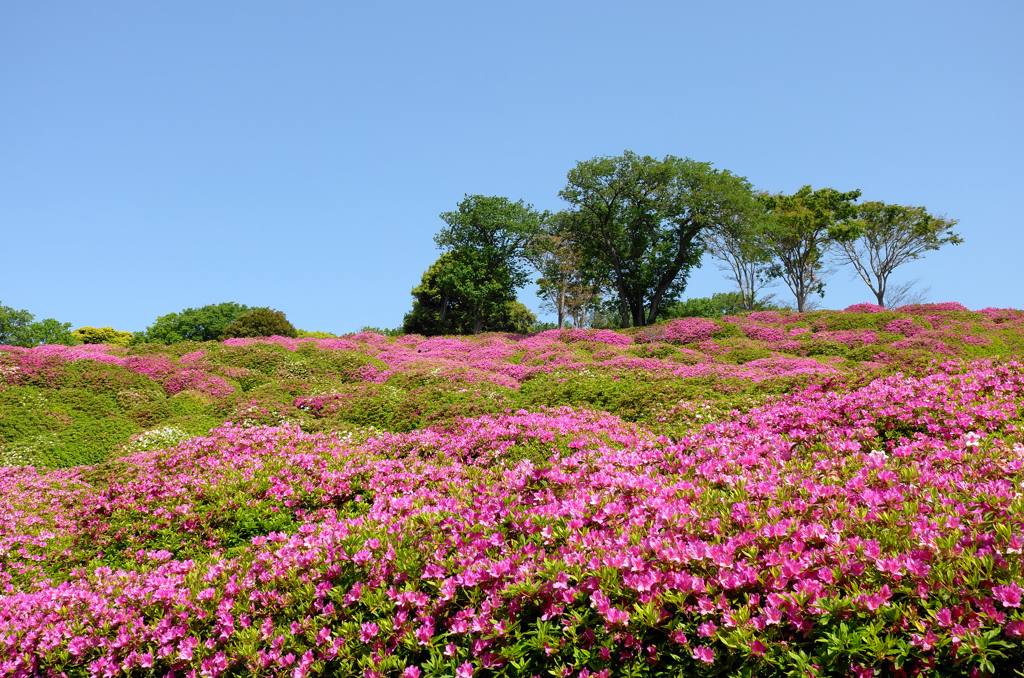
869	522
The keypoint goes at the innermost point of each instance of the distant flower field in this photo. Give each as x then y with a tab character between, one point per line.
835	493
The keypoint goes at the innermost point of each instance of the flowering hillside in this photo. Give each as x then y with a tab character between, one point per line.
829	493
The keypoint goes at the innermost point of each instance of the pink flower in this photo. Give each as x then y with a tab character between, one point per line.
704	654
1008	595
706	629
367	631
464	671
411	672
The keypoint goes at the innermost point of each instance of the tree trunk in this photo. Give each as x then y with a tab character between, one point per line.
561	307
623	309
478	321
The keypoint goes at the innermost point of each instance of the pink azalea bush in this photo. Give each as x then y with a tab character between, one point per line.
858	515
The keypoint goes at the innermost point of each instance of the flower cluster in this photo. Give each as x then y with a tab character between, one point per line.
768	513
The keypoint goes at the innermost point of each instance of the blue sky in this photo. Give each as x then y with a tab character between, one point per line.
163	155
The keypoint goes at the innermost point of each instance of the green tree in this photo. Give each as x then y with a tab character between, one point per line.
715	306
564	286
736	246
19	328
102	335
636	222
50	331
261	322
491	237
206	323
448	299
800	230
518	318
14	326
888	236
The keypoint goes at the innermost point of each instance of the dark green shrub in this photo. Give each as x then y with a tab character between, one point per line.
823	347
741	356
103	377
837	321
150	414
265	359
726	330
261	322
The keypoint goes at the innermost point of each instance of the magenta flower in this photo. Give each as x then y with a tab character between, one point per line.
367	631
1008	595
704	654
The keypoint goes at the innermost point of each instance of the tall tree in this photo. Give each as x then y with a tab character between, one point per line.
637	220
746	262
453	298
888	237
492	236
801	230
564	284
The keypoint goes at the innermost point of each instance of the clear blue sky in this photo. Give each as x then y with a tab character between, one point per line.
162	155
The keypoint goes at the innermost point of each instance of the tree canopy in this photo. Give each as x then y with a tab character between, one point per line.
20	328
456	297
489	238
206	323
261	322
564	286
800	230
636	222
889	236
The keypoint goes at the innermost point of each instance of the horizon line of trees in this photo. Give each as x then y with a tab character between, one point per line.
621	252
619	255
213	322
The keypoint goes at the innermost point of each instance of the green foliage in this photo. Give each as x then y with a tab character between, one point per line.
889	236
488	239
500	232
838	321
519	319
383	331
17	328
799	231
206	323
453	297
636	222
715	306
13	326
102	335
741	356
261	322
303	334
57	428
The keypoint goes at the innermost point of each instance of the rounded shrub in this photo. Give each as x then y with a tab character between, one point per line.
261	322
102	335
